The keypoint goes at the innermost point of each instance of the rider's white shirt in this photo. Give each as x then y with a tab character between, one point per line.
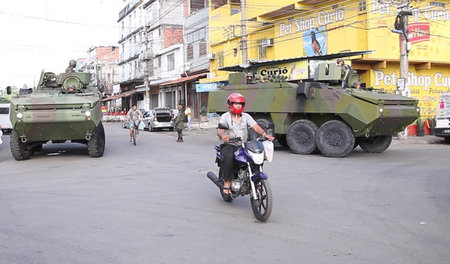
238	129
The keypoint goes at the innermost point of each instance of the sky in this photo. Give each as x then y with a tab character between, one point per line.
46	34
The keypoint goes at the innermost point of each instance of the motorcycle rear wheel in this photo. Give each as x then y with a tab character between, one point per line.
262	206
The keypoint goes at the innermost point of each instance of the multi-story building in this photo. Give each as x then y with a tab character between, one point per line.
195	50
131	21
102	64
163	53
289	29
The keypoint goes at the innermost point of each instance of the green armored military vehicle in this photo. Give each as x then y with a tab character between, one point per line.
324	113
61	108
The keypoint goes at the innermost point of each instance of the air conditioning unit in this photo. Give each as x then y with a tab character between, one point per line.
211	56
267	42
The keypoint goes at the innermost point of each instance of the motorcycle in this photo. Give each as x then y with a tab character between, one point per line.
249	178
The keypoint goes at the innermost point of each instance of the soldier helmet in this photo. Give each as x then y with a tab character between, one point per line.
236	98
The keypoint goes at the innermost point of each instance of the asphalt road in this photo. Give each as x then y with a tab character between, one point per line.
153	204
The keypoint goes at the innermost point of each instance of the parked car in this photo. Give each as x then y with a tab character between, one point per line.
158	118
4	117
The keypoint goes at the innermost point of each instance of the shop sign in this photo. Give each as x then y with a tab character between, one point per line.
205	87
424	87
413	79
435	11
291	71
419	32
306	24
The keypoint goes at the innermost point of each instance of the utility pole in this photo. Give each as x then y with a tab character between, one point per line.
244	33
401	27
145	60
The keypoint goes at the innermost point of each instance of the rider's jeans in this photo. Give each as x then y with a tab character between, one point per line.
227	164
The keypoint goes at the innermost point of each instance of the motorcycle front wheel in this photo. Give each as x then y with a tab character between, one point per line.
262	206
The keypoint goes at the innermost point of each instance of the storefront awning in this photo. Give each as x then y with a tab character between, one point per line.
114	97
184	79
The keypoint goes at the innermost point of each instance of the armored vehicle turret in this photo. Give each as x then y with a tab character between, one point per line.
62	107
325	113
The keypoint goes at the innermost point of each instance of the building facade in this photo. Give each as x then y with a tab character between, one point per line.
289	29
131	21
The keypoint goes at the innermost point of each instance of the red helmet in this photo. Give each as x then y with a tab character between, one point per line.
236	98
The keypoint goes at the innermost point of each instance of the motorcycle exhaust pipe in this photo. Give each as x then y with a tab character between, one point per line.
212	176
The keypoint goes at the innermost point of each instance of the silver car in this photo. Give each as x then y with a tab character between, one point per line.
158	118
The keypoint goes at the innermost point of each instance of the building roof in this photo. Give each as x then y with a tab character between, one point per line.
259	63
184	79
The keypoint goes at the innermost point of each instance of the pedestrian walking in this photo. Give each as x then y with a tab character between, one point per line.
188	114
179	122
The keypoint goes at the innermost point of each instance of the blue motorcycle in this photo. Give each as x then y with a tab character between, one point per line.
249	177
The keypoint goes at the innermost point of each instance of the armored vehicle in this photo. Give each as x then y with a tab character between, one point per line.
62	107
325	113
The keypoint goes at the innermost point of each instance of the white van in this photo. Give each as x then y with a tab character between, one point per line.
442	128
4	117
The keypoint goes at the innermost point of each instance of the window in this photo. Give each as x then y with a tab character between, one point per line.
218	3
196	35
170	62
202	33
362	6
151	70
220	59
202	48
198	4
190	52
261	49
235	10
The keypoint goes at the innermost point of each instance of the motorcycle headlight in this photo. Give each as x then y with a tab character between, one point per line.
257	158
87	113
19	115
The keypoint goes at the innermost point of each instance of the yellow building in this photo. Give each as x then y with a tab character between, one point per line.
288	29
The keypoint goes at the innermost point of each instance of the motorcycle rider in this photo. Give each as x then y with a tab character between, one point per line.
237	123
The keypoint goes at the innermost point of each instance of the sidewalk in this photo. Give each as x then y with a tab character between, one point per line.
427	139
208	125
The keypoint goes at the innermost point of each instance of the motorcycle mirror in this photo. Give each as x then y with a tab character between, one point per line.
8	89
223	126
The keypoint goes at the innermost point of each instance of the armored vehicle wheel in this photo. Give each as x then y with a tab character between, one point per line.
36	148
282	140
264	124
447	140
335	139
96	145
376	144
301	136
19	150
